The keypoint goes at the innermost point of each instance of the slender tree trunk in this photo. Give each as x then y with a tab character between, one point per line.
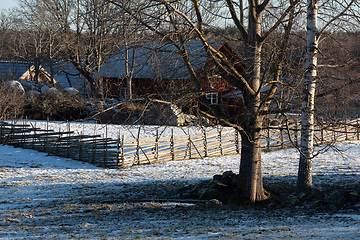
37	69
129	69
128	79
304	182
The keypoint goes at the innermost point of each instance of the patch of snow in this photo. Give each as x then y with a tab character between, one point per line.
15	85
71	90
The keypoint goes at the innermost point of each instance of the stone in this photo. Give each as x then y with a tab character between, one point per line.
16	85
215	202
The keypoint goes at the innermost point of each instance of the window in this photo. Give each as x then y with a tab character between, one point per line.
213	98
123	93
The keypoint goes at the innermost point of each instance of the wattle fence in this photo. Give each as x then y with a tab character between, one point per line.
121	152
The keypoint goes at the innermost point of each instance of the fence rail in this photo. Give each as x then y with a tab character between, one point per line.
121	152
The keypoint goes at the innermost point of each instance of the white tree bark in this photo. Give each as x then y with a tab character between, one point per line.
304	183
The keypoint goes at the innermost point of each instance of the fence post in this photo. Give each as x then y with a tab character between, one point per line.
353	129
189	144
67	141
157	145
33	142
105	146
281	137
80	146
23	135
120	150
268	138
1	131
346	132
205	143
105	151
12	130
220	145
296	133
172	145
137	156
46	136
58	141
357	129
237	141
93	151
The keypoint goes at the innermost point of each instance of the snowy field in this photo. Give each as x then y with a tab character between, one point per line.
55	198
114	130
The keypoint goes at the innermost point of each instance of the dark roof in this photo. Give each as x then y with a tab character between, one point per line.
13	70
63	72
155	60
68	76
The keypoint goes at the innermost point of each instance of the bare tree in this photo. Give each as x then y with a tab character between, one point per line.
86	33
181	21
304	182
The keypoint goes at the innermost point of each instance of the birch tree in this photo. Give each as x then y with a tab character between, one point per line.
304	182
178	22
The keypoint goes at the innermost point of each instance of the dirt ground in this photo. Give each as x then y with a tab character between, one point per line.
95	212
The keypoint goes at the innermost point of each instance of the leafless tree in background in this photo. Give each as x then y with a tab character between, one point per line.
87	33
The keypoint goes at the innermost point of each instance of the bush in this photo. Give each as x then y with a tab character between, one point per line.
58	107
12	102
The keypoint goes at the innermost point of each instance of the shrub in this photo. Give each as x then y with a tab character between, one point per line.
59	107
12	102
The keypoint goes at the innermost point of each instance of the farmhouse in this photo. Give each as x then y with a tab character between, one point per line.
16	70
62	74
156	70
150	69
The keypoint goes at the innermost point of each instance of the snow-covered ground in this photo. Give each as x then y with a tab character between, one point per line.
56	198
114	130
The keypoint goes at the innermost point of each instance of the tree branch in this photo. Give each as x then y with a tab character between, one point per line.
333	19
280	20
236	20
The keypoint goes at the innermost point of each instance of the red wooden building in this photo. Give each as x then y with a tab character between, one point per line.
219	92
157	70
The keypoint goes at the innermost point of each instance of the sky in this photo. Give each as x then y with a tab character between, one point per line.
6	4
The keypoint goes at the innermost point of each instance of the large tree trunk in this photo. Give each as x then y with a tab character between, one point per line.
250	179
304	182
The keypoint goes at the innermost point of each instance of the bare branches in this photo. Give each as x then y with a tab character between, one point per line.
238	22
335	18
281	19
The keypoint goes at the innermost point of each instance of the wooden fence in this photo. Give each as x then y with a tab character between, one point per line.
283	136
121	152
